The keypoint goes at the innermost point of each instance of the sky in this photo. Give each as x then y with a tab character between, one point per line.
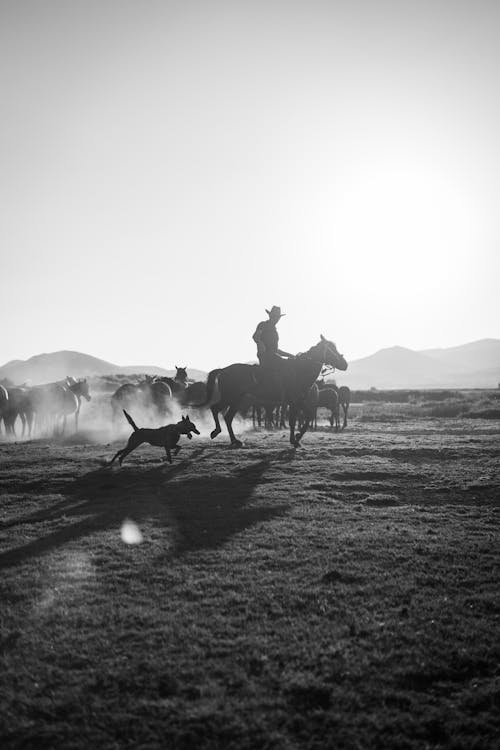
170	170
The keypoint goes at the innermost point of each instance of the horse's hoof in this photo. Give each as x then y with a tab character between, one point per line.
214	434
236	444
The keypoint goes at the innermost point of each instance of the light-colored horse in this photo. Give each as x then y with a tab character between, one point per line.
53	402
75	390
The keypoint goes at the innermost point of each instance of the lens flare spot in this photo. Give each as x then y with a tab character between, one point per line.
130	532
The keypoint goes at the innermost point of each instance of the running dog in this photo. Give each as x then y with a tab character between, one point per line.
164	437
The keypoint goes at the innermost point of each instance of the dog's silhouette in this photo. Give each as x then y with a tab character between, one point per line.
164	437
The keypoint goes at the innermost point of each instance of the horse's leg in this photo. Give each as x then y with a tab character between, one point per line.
215	412
304	427
228	419
31	417
256	417
291	420
345	408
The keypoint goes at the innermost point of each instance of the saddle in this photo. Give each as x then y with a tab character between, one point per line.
269	383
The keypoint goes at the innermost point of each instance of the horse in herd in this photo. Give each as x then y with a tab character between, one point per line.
329	396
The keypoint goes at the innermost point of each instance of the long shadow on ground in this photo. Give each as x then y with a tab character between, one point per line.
201	512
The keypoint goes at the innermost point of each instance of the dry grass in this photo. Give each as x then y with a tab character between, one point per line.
342	595
428	404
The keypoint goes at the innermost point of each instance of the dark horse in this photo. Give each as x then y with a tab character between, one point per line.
227	387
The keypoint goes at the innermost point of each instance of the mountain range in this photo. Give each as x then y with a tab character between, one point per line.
47	368
472	365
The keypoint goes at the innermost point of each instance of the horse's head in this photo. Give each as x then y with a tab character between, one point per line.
144	386
83	389
181	375
329	354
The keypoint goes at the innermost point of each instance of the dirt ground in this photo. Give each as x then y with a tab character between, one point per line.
344	594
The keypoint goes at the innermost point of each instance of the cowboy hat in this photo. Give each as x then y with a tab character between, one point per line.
275	311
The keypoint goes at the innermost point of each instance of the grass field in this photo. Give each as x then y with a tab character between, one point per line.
343	595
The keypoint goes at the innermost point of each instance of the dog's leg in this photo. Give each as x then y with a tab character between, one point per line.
133	442
125	453
117	454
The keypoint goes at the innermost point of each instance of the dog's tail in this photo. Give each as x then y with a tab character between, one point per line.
211	385
130	421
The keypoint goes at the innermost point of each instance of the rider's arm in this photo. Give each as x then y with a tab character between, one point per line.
257	337
285	354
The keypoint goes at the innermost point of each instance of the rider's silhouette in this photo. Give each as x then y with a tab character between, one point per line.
266	337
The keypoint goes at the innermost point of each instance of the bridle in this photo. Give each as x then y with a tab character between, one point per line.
326	347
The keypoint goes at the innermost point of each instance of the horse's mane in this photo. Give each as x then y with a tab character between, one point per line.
306	355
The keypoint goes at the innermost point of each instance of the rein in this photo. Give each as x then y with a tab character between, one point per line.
306	355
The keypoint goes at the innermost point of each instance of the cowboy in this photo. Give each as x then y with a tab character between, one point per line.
266	337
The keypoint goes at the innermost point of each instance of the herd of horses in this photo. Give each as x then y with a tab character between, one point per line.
158	394
42	408
289	396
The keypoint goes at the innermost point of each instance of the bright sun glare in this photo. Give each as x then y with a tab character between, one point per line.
398	219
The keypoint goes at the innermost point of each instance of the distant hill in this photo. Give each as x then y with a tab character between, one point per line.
396	367
473	365
46	368
473	357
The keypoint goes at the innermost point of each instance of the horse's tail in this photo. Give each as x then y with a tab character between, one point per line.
211	385
130	421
